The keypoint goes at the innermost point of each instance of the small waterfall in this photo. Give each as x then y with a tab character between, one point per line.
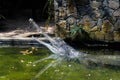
62	51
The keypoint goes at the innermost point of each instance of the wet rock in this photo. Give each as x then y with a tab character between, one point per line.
116	13
99	23
114	4
117	25
71	20
55	5
96	28
105	3
62	23
98	14
87	22
62	13
56	16
95	4
116	36
99	35
59	2
107	26
92	35
109	36
86	25
93	23
109	11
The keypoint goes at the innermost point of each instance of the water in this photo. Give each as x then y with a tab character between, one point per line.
15	66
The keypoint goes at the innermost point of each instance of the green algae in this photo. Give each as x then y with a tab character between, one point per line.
15	66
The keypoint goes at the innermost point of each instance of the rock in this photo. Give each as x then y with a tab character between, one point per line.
116	13
92	35
109	36
86	28
98	14
96	28
117	25
59	2
95	4
56	16
93	23
114	4
107	26
71	20
87	23
116	36
99	35
99	23
105	3
62	23
62	13
55	5
109	11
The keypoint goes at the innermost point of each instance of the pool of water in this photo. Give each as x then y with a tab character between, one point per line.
16	66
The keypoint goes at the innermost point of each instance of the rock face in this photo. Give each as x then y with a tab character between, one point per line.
100	17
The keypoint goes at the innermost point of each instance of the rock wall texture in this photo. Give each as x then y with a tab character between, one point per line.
100	17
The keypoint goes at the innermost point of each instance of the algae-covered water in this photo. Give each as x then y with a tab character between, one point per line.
16	66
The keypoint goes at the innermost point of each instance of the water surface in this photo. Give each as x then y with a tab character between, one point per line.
15	66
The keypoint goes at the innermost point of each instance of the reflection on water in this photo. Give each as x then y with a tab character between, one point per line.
15	66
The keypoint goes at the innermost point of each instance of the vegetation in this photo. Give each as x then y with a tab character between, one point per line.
50	5
77	32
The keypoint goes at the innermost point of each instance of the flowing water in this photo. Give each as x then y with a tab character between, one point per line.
16	66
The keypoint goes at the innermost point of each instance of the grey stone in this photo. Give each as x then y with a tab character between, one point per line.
114	4
109	11
105	3
55	5
99	23
71	20
116	13
95	4
117	25
99	13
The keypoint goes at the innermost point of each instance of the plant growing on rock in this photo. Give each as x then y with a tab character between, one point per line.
77	32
